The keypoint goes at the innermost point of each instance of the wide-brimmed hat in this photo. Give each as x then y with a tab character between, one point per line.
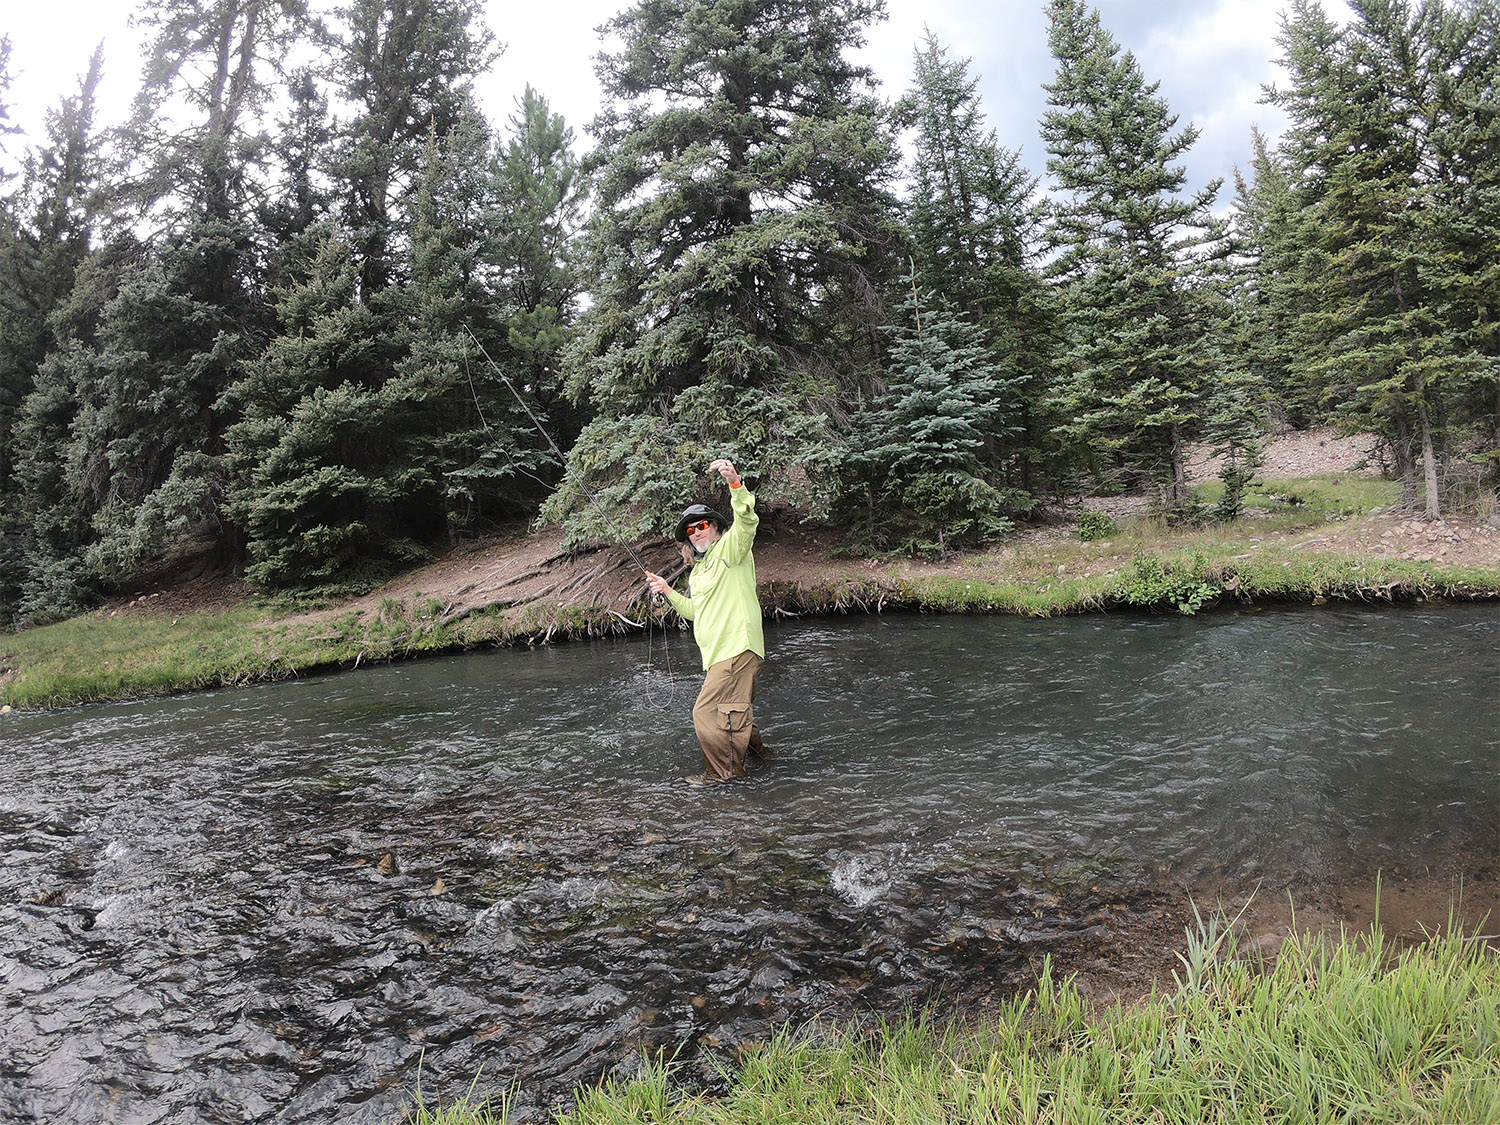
693	514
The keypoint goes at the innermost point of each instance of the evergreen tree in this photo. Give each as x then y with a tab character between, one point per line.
300	197
355	416
461	426
916	474
738	248
974	230
1235	411
298	455
1270	244
144	448
44	241
540	195
1394	136
56	519
1463	226
1128	246
7	128
407	66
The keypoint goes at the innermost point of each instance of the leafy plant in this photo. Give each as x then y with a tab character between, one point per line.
1095	525
1154	582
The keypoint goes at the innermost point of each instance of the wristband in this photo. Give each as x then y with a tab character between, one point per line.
735	484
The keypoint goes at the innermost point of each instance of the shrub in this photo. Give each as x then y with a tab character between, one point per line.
1154	583
1094	526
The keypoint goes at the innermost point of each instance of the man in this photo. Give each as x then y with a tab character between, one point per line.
722	605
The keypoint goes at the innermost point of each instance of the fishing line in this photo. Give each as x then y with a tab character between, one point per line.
590	499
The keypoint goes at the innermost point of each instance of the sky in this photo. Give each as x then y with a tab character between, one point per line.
1211	58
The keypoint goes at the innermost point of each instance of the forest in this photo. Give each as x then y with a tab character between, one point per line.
309	308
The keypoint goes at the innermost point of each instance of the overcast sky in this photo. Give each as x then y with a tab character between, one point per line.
1210	56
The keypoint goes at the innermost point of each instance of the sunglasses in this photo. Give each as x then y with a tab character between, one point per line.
701	525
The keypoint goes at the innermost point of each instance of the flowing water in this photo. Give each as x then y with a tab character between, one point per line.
273	903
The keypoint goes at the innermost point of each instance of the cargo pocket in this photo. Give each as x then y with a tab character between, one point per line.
734	717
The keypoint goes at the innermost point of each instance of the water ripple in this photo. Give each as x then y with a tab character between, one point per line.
269	904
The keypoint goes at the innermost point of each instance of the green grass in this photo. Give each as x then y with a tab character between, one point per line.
100	657
1307	501
1333	1030
466	1109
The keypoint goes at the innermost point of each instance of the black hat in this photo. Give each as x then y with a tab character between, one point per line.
693	514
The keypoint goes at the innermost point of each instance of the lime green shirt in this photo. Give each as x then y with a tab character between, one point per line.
721	601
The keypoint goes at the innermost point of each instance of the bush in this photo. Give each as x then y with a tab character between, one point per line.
55	590
1094	526
1154	583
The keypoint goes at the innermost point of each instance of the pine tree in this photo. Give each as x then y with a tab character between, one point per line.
974	231
1388	149
916	475
738	248
1128	246
407	66
44	242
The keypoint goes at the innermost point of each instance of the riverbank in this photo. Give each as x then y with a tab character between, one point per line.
1329	537
1322	1029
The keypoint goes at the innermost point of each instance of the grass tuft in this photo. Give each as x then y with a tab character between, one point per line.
1330	1030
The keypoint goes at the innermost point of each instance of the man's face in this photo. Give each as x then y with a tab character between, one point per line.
702	534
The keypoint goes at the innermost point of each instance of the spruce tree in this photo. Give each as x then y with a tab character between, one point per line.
1463	226
357	412
407	67
7	127
975	228
298	455
1270	244
1393	135
540	193
738	249
186	312
44	242
1129	247
916	475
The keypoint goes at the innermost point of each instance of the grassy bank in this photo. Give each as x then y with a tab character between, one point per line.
1139	563
1331	1030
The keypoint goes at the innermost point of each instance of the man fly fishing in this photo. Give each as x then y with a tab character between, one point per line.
722	605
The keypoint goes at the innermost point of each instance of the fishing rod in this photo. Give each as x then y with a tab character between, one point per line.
591	500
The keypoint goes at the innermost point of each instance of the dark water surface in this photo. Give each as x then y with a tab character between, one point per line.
196	924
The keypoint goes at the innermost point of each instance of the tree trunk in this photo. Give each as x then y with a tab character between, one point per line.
1179	468
1429	462
1406	464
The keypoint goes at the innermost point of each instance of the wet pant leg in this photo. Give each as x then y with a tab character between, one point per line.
724	715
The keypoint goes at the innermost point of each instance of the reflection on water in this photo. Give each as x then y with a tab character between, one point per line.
267	904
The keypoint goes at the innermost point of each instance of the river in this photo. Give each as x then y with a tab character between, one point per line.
272	903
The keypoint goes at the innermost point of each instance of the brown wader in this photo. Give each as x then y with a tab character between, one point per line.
724	715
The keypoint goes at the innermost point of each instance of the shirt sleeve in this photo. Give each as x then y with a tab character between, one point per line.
741	534
681	603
